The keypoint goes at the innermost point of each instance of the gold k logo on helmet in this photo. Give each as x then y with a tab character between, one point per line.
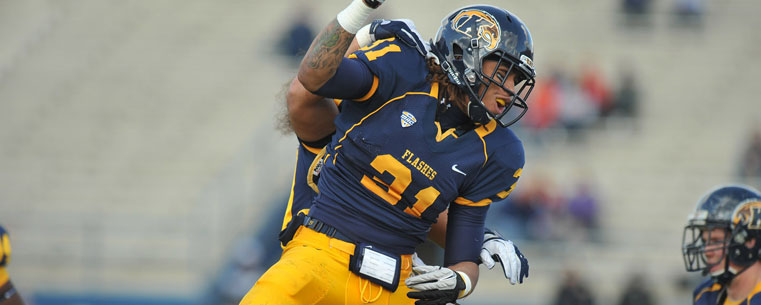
749	214
485	24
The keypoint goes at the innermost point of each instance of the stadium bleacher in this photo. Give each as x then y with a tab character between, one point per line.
137	138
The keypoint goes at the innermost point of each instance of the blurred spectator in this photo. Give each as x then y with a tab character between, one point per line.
537	212
636	292
689	13
577	111
635	6
626	100
596	88
583	206
750	164
519	211
571	106
553	222
295	41
523	211
573	291
636	12
544	104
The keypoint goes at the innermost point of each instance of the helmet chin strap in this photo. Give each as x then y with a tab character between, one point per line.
724	277
478	113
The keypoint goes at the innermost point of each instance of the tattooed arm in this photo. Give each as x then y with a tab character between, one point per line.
324	56
311	116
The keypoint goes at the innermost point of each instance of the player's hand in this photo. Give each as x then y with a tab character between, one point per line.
373	3
435	285
514	264
416	261
404	29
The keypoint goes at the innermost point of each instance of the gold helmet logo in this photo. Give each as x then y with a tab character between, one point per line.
486	27
748	214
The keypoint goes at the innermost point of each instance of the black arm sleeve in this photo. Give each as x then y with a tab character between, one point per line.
352	80
319	144
465	233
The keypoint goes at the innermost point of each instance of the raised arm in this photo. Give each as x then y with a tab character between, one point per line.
312	115
327	50
324	56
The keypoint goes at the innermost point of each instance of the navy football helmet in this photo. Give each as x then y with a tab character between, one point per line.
734	209
472	34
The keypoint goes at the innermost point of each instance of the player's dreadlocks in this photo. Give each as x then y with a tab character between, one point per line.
283	121
447	89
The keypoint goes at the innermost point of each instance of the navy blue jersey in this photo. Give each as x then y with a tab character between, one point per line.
303	187
390	169
711	293
708	292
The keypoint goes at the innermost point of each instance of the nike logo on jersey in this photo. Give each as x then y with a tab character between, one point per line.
408	119
454	168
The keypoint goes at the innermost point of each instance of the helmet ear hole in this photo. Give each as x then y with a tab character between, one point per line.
741	237
457	52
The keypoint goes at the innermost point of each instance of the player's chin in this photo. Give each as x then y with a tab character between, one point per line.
716	268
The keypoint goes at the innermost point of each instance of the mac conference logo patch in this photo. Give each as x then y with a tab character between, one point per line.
408	119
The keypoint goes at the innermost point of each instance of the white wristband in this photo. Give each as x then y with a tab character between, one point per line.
363	36
354	16
468	286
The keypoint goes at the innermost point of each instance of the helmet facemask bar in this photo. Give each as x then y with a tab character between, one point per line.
695	245
516	107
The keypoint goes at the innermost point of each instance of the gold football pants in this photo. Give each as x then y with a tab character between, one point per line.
314	269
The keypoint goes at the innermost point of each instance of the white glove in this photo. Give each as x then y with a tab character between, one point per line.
416	261
514	264
437	285
432	278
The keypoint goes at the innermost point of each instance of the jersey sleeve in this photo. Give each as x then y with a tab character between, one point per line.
754	298
301	192
465	232
315	146
396	68
706	293
497	178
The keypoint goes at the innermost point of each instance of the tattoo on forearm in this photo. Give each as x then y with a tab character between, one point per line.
328	49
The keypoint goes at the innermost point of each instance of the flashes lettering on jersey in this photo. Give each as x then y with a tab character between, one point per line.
419	164
377	266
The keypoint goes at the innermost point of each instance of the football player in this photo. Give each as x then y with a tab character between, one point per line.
311	117
722	239
415	134
8	294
